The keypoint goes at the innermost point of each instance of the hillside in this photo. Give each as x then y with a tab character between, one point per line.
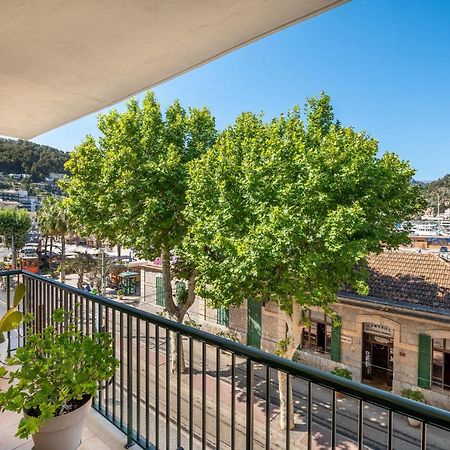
441	187
27	157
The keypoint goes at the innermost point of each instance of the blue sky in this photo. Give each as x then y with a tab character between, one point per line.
385	64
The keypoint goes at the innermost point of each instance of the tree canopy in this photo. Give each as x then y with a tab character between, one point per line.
129	186
14	227
286	210
53	219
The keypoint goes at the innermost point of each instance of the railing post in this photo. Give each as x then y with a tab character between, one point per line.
249	408
130	441
8	305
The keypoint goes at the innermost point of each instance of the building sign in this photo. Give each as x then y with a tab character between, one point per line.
378	330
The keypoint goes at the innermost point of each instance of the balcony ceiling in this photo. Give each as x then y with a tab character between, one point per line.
61	60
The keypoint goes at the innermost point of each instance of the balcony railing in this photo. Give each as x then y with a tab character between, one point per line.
228	397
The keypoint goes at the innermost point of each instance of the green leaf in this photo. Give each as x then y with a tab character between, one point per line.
10	320
19	294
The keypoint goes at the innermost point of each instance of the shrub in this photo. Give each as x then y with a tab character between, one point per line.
342	372
412	394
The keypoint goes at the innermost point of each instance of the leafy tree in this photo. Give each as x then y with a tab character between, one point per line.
284	211
14	227
129	186
54	220
81	264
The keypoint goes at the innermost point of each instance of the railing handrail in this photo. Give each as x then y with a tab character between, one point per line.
421	411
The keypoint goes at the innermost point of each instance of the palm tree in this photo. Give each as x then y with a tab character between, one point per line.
53	220
43	221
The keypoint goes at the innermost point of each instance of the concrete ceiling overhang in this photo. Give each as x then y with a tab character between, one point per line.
63	59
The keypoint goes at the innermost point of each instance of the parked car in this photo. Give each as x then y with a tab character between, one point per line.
443	249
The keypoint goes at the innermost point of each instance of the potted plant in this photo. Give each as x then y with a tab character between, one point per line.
342	372
417	396
58	374
120	294
11	320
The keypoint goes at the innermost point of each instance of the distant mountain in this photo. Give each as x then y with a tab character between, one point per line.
27	157
441	187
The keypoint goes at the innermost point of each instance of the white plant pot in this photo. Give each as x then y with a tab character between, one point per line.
62	430
414	422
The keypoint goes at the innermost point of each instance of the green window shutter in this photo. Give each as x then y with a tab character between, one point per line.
424	363
223	316
159	291
254	327
336	343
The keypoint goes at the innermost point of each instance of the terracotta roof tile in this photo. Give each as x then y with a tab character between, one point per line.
413	278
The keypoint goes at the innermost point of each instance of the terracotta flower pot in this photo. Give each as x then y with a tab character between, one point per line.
65	429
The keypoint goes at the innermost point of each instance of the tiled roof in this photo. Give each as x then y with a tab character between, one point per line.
420	279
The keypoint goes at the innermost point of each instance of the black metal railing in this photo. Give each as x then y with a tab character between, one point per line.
228	396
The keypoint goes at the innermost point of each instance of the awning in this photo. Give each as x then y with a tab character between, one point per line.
61	60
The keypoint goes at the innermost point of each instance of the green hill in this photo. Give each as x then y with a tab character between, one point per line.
27	157
441	187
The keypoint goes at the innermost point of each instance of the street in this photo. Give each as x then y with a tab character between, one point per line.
144	381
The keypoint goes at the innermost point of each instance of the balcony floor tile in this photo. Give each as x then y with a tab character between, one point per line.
98	434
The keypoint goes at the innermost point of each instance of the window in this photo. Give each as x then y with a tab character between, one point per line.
317	335
440	366
223	316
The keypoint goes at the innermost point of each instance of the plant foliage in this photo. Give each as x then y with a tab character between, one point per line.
14	223
342	372
55	368
286	210
412	394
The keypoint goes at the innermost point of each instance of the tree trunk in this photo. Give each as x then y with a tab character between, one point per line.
294	324
167	281
50	257
119	250
80	280
62	266
175	311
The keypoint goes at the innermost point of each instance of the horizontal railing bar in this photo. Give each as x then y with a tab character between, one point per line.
430	414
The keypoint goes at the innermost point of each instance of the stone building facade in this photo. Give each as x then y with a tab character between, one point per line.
396	337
